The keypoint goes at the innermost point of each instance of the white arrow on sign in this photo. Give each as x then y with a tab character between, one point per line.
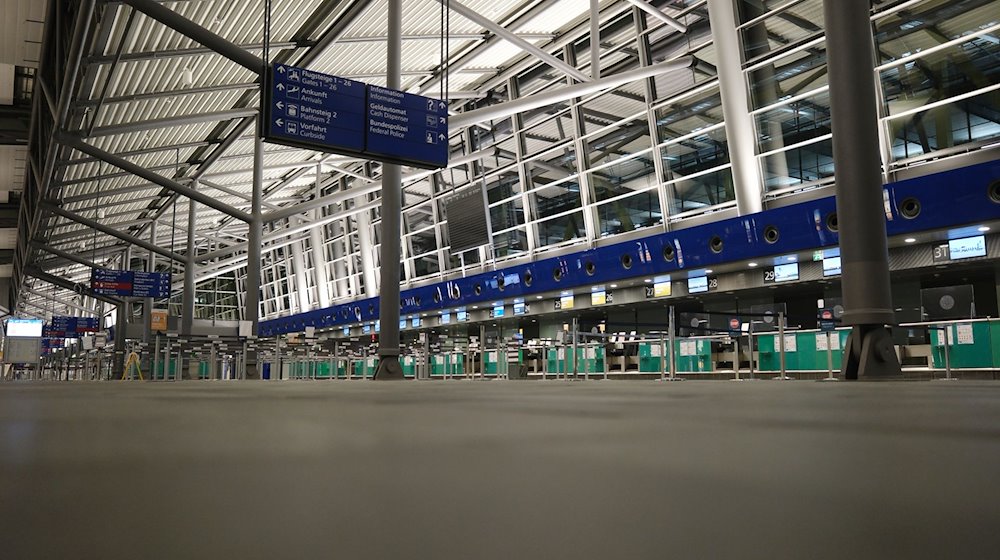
281	87
279	122
443	105
280	105
281	69
441	136
441	119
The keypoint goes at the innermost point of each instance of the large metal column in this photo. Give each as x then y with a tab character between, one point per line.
863	250
299	271
254	240
341	283
366	247
147	307
595	40
316	241
392	195
118	362
735	106
187	300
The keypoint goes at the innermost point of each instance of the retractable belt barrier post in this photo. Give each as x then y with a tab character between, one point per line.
781	347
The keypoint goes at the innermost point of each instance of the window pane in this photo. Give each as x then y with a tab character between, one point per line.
805	164
788	76
961	122
557	199
627	214
781	28
509	243
563	228
701	191
688	115
959	69
929	24
695	154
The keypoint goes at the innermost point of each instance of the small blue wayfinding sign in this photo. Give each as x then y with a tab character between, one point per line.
315	111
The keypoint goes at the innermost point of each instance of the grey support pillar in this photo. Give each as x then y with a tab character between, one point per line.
392	195
187	300
118	362
869	352
147	306
254	239
735	106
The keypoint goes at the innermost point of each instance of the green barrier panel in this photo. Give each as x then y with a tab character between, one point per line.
172	369
409	364
995	341
448	364
555	363
365	368
439	365
651	359
589	360
491	360
804	351
341	369
693	356
456	364
972	345
321	370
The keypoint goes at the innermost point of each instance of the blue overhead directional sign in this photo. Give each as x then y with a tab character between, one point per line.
108	282
151	284
407	128
315	111
128	283
327	113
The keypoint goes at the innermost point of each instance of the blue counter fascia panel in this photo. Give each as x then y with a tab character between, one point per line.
947	199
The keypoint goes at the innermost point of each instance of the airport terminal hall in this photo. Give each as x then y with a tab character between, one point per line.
499	279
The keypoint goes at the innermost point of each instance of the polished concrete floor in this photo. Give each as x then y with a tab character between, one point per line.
472	469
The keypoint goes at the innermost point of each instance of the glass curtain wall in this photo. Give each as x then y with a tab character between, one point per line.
650	154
